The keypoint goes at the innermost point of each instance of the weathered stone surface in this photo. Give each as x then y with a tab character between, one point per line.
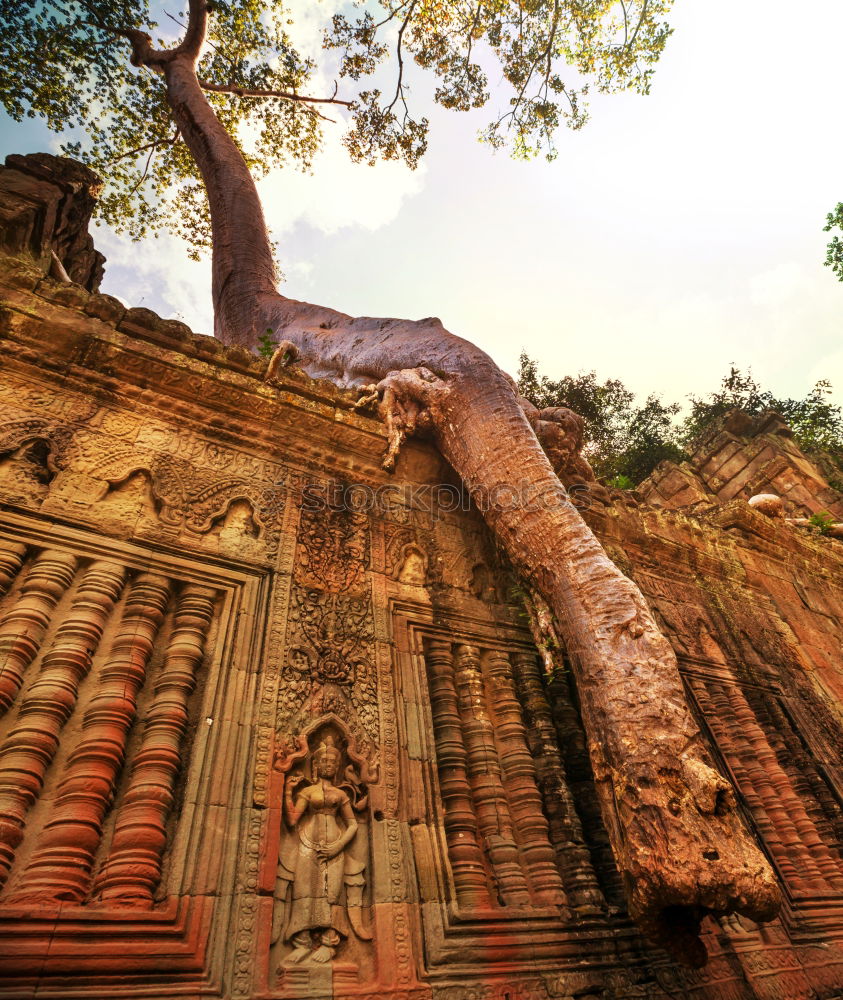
744	457
767	503
141	472
45	207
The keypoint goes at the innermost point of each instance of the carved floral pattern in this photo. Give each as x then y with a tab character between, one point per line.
330	640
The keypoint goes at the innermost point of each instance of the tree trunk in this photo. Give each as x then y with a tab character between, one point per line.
672	820
242	268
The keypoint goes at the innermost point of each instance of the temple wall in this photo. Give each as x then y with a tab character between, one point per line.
209	589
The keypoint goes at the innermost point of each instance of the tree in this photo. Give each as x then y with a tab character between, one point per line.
605	407
676	834
65	60
816	422
834	250
624	442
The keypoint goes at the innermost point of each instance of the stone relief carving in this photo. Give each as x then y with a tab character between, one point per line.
333	550
397	540
484	585
413	567
324	851
28	429
238	522
86	464
25	472
31	452
330	645
130	501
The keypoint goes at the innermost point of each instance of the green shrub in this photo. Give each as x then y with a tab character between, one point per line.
821	521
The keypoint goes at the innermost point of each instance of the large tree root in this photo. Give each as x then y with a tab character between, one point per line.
672	819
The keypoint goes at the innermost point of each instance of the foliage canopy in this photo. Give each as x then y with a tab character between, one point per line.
626	441
67	61
834	250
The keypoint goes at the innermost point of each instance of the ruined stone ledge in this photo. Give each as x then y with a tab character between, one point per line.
46	203
98	346
143	324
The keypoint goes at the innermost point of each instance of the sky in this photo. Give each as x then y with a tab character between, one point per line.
673	235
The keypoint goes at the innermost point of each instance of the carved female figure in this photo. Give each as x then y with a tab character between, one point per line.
322	857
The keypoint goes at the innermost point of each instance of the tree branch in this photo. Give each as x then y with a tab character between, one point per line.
197	29
640	21
143	51
392	16
148	145
143	176
399	88
284	95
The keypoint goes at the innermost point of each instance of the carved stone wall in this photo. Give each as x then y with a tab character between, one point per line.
222	625
46	203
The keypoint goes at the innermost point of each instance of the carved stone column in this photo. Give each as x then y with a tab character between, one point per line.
132	870
715	708
23	626
12	555
470	879
30	746
566	832
580	781
520	787
810	843
803	859
484	775
824	809
64	854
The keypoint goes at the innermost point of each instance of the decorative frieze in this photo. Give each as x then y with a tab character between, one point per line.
330	660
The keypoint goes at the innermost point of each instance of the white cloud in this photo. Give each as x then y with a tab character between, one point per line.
772	288
338	193
158	274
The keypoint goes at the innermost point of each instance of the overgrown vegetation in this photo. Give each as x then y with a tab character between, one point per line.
822	521
834	250
624	439
266	345
67	61
627	440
